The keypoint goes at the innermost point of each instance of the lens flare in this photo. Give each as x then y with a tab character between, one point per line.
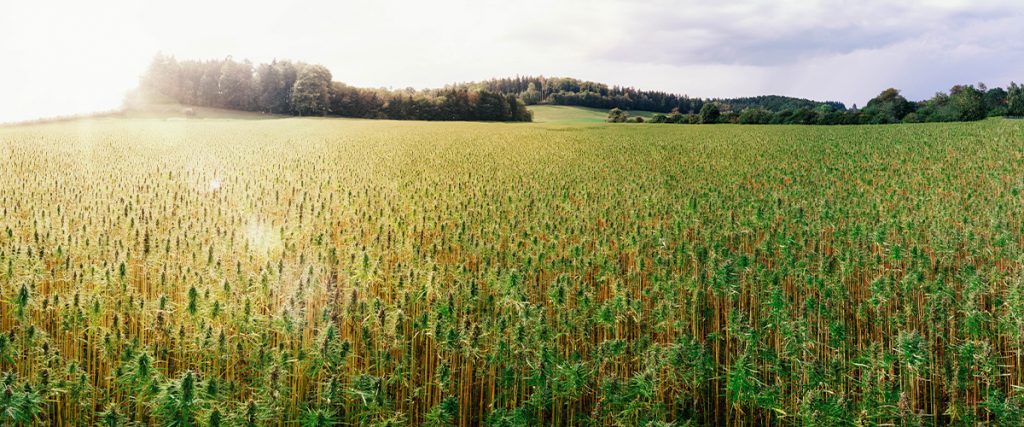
263	239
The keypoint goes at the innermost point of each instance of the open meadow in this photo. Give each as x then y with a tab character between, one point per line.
358	272
562	114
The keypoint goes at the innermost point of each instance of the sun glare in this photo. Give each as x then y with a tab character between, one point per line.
263	239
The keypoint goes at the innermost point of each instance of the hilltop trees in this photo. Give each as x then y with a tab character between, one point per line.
311	94
208	88
532	96
775	103
616	115
888	107
568	91
710	113
755	116
269	87
164	77
235	85
283	87
1015	100
962	103
968	101
274	82
995	101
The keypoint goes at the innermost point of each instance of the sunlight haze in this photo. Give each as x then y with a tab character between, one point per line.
76	57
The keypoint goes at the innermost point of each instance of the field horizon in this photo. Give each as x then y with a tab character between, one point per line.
543	114
548	114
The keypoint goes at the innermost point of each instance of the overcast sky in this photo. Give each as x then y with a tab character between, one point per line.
80	56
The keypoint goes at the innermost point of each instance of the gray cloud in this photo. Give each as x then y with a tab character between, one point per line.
836	50
779	33
732	46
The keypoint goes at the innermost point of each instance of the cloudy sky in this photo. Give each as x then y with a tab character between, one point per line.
76	56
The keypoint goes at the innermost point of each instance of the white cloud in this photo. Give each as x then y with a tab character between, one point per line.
69	57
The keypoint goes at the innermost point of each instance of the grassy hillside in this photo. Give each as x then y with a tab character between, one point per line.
357	272
561	114
178	111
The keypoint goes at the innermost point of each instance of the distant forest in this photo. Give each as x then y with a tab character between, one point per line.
569	91
284	87
296	88
962	103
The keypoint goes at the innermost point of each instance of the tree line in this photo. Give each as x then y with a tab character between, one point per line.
569	91
286	87
962	103
296	88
